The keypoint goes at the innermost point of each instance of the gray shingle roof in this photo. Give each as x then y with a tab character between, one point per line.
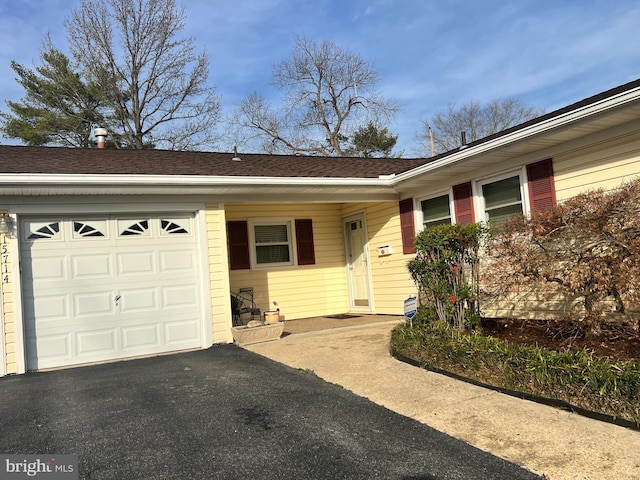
59	160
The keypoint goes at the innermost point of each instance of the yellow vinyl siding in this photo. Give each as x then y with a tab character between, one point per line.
526	304
8	316
218	274
306	290
605	165
390	277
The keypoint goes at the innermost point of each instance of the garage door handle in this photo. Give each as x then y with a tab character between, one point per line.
117	299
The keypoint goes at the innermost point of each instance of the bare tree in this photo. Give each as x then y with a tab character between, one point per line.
155	82
475	120
328	93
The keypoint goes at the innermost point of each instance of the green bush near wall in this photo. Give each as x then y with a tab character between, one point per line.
580	379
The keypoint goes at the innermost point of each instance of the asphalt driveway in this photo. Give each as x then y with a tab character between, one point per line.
224	413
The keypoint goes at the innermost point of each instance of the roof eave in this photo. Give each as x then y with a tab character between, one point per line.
269	189
548	125
184	180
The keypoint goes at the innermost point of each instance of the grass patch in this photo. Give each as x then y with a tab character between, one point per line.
581	379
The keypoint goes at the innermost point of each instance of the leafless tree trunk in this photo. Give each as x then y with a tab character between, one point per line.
155	81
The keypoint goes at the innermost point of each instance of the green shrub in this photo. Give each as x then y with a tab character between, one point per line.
445	270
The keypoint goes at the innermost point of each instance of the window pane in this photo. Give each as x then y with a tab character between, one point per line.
436	209
271	233
272	254
502	192
446	221
498	215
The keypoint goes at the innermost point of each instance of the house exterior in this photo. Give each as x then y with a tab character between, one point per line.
113	254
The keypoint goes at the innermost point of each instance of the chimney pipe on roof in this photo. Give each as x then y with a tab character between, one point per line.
433	151
463	136
100	134
235	158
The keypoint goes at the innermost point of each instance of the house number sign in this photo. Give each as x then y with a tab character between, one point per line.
4	251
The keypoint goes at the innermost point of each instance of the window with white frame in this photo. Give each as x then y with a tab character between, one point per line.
272	243
502	198
436	211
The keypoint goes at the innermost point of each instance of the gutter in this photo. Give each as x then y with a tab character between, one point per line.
32	179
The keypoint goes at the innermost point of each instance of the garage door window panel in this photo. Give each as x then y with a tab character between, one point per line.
131	228
42	230
83	229
174	227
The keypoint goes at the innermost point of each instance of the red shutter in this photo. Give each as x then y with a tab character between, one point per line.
304	242
463	203
407	228
238	238
542	191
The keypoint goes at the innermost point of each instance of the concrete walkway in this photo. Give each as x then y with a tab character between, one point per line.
548	441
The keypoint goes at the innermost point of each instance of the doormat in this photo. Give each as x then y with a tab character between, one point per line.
343	316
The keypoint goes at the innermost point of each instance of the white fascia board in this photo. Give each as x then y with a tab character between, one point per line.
181	180
542	127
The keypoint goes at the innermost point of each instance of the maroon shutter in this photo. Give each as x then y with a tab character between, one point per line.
463	203
304	242
542	192
238	238
407	227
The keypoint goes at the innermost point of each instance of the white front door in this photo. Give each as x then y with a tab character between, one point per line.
99	288
357	263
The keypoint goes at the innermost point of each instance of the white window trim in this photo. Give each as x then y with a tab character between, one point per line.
478	198
291	232
418	208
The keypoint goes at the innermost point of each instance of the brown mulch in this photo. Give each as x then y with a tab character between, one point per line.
621	342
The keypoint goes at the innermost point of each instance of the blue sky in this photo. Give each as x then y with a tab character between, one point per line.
428	53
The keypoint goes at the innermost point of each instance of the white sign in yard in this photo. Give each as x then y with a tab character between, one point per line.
410	307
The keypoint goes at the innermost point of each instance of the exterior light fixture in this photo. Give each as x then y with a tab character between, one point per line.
6	223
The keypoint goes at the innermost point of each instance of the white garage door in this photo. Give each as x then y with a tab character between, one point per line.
103	288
